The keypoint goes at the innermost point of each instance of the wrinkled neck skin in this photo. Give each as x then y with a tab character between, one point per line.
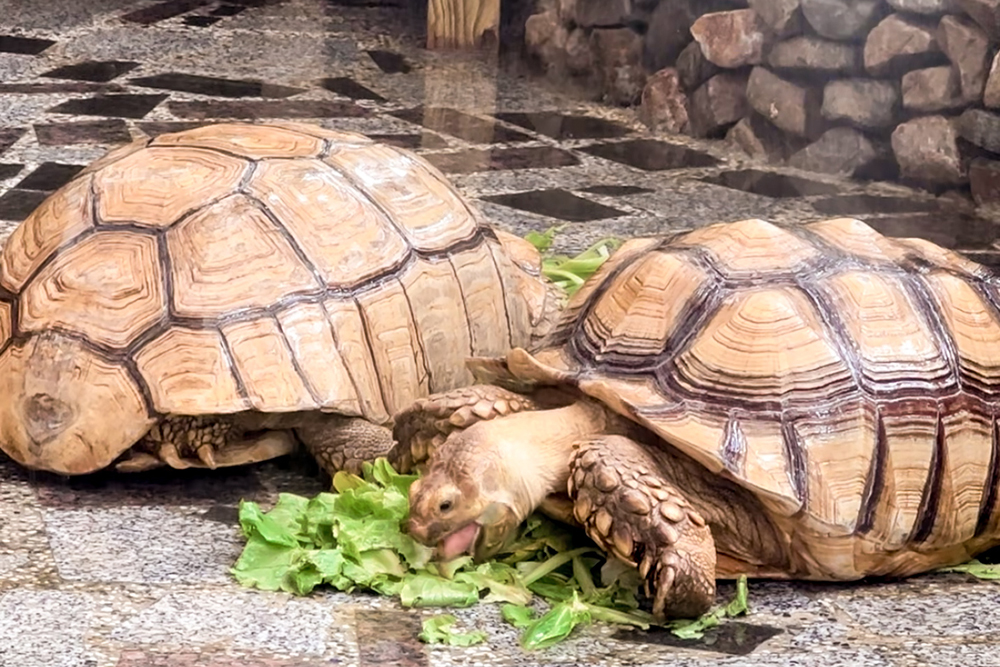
533	449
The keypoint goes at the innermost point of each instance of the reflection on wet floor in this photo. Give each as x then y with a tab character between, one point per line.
770	184
731	637
651	155
556	203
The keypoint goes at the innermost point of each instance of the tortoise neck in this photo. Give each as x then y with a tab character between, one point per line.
538	446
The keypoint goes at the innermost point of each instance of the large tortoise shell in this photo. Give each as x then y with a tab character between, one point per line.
848	380
237	267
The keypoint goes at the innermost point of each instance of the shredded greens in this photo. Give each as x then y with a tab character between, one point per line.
976	568
353	539
570	273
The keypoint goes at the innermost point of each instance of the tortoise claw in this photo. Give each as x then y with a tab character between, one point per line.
206	454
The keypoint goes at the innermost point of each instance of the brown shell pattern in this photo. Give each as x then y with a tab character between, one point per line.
274	267
850	380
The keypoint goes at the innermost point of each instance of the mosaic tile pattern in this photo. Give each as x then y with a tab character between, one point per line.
113	571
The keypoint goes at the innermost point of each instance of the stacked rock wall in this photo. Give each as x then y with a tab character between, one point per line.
871	88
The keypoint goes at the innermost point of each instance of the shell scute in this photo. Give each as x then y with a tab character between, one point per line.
351	242
108	287
159	185
219	267
249	141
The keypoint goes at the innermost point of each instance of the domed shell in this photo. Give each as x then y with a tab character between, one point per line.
849	380
236	267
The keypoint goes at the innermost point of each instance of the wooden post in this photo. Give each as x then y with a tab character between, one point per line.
462	24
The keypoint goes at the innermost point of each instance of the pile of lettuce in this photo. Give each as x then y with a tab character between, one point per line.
353	539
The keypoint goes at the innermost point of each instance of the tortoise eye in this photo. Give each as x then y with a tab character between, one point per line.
445	506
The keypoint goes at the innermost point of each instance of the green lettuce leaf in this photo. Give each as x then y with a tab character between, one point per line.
441	630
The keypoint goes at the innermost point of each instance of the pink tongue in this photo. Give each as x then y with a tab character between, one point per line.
459	542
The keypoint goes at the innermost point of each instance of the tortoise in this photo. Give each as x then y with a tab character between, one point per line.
211	297
814	402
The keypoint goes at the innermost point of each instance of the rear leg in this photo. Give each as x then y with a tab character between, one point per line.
211	442
632	511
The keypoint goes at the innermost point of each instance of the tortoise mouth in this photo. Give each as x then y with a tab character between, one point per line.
460	542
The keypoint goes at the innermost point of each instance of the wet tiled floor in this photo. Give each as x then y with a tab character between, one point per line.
110	571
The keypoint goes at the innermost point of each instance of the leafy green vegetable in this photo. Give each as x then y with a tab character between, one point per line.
695	628
353	538
976	569
570	273
441	630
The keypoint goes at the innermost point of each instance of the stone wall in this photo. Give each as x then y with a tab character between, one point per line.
887	89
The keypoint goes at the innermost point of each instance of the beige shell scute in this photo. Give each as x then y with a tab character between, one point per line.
845	378
189	369
108	287
61	217
352	243
277	142
274	267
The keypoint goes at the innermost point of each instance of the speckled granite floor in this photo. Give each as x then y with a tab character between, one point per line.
133	571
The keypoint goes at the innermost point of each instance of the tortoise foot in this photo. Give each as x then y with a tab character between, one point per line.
344	443
204	442
632	511
422	427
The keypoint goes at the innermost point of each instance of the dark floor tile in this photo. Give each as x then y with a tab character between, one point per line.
617	190
389	637
949	230
348	87
730	638
770	184
390	62
162	11
458	124
9	136
10	170
155	128
566	126
215	86
860	204
16	205
651	155
23	45
111	131
46	88
201	21
556	203
123	106
425	140
267	109
49	176
92	70
227	10
494	159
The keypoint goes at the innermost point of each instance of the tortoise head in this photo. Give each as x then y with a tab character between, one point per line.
464	503
67	409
